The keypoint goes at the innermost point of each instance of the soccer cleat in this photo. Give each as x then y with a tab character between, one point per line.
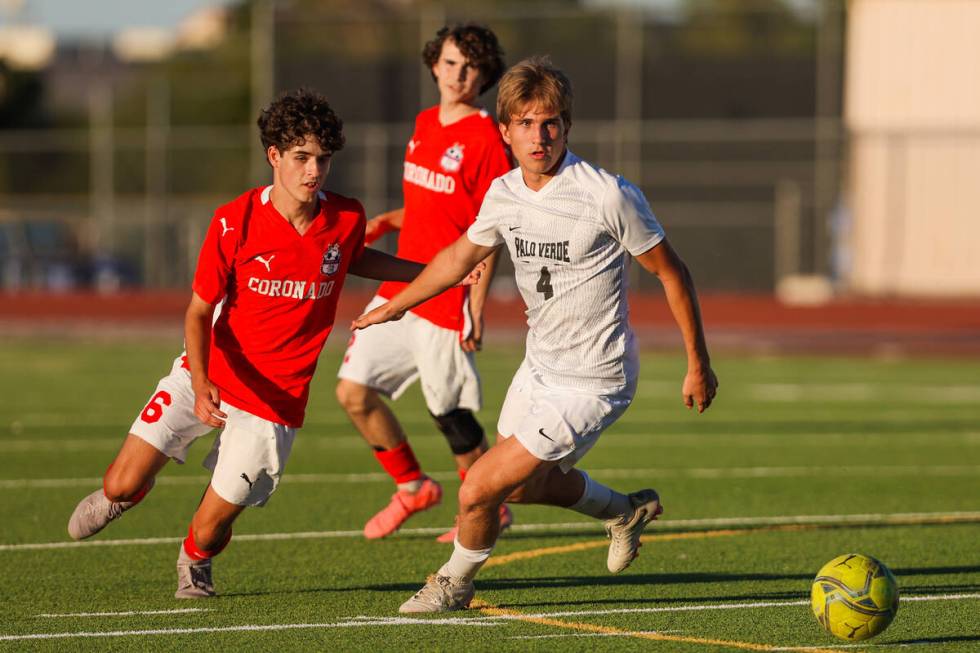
506	519
440	594
193	577
94	512
402	506
624	532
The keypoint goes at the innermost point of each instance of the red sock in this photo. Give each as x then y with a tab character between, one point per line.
192	550
462	474
137	497
400	463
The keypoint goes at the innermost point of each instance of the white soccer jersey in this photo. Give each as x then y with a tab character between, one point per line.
570	243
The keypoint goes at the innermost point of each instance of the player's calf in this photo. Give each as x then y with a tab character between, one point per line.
506	520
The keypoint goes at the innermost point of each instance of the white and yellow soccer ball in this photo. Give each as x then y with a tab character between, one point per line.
854	596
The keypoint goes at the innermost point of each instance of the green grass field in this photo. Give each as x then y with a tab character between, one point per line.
799	460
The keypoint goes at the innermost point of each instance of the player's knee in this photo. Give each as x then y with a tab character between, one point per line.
461	430
121	484
353	397
475	496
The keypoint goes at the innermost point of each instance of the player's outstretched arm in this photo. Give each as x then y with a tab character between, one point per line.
459	261
381	224
197	340
375	264
700	383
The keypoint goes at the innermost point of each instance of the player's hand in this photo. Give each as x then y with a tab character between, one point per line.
377	227
700	387
473	277
207	399
474	340
383	313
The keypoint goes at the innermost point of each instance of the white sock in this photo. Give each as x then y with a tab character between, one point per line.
411	486
600	501
464	563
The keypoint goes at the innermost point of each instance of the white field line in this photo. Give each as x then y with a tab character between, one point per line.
894	519
816	392
649	473
131	613
722	606
799	392
356	623
494	620
614	439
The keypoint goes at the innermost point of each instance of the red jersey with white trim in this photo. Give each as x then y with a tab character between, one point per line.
447	171
280	293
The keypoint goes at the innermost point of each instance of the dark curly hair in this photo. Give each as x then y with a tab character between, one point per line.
477	43
296	115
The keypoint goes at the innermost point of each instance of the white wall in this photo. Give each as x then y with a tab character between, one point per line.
912	106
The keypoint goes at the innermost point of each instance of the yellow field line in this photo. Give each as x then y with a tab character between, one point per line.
597	544
727	532
493	611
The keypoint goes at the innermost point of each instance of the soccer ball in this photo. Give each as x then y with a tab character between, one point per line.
854	596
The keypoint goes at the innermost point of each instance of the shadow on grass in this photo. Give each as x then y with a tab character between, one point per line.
658	580
938	589
929	571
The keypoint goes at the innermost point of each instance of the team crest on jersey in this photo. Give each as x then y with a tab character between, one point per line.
452	158
331	259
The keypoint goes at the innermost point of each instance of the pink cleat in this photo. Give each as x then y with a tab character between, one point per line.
506	519
403	505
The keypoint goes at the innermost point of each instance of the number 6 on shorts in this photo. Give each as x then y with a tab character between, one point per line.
154	409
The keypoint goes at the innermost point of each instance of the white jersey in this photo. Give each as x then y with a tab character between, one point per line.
570	243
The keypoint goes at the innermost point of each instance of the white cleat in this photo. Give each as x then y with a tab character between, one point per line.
624	532
94	512
440	594
193	577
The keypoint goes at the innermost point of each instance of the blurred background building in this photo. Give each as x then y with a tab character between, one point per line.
805	147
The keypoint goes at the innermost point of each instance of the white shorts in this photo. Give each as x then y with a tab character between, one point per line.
248	455
389	357
557	423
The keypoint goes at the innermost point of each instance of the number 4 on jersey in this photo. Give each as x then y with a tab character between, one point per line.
544	284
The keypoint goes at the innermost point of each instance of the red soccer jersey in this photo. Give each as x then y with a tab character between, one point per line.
446	174
280	293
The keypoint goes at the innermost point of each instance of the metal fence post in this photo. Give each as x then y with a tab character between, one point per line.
263	71
102	165
155	208
787	221
629	94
